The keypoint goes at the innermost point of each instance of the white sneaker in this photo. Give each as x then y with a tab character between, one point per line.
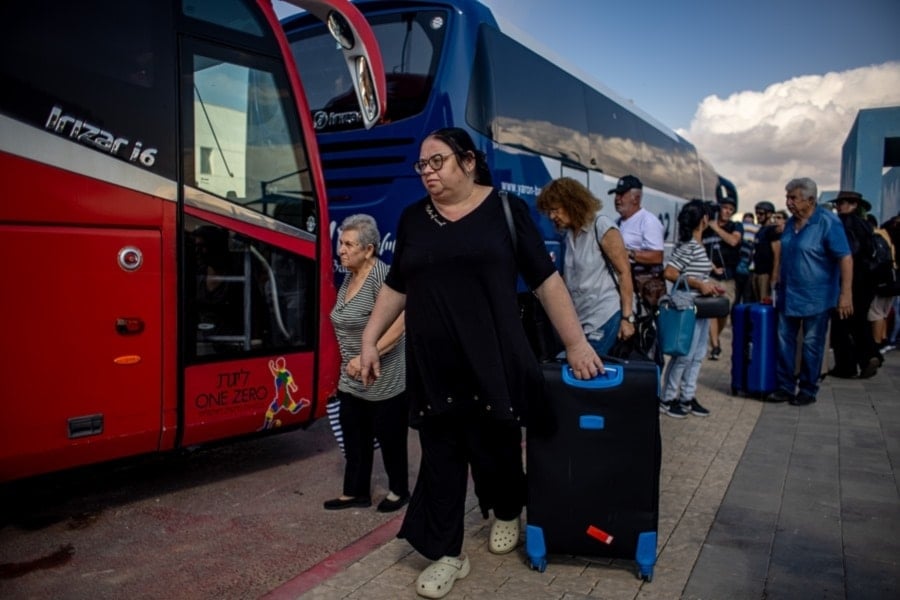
888	348
504	536
437	579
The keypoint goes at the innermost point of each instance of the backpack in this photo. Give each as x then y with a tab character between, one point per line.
879	263
887	278
871	253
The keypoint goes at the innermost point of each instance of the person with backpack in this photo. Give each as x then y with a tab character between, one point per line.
855	353
885	293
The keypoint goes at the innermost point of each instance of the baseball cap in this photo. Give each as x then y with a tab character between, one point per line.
626	183
765	205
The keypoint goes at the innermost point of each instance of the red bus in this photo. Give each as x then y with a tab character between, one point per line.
164	250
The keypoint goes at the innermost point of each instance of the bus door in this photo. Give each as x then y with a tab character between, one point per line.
251	240
257	344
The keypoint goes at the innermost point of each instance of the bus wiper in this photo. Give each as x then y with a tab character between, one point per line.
212	130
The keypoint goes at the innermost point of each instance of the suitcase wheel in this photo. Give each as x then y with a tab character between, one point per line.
535	548
646	555
538	564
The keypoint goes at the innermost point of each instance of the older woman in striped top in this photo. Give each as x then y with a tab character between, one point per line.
690	259
382	409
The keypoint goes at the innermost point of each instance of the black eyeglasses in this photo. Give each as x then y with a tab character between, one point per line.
435	162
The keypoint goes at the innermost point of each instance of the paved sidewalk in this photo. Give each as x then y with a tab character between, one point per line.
756	501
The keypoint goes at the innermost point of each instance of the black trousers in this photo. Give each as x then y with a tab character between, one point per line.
361	422
851	339
452	442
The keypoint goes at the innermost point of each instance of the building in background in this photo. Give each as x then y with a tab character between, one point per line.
870	159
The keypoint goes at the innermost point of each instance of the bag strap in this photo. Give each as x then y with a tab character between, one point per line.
609	268
504	198
682	282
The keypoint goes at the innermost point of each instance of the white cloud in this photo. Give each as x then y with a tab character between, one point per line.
796	128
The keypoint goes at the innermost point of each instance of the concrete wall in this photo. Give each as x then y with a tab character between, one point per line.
869	148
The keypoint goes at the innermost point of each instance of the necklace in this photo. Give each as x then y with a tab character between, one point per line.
434	215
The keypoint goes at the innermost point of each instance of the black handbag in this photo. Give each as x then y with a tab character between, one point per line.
712	307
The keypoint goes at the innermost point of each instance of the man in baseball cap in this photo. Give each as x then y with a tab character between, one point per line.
763	210
643	234
629	182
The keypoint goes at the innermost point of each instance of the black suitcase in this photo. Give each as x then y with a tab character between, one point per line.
593	472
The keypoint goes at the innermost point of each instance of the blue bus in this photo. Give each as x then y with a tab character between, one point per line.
450	63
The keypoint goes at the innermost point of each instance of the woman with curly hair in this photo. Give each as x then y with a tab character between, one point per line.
595	250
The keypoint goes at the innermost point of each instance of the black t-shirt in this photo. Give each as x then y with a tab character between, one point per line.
465	345
720	253
763	256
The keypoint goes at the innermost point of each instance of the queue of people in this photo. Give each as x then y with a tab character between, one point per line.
435	341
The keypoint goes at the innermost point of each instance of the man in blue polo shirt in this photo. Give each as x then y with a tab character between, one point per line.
815	275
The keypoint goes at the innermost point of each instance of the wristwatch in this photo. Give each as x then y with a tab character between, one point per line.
629	318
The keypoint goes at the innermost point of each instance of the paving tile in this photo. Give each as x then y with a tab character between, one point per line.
738	574
871	578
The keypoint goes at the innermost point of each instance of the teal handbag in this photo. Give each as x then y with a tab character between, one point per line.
675	319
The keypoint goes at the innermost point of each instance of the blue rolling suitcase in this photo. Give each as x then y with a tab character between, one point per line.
593	471
753	349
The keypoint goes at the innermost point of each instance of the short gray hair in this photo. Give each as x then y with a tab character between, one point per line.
366	227
806	186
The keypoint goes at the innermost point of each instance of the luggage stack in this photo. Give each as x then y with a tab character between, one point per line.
753	349
593	472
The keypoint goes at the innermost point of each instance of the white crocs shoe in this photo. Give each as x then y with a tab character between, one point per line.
504	536
437	580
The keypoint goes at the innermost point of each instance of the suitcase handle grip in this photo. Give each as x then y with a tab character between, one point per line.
612	377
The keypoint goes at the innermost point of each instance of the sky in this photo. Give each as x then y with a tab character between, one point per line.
766	89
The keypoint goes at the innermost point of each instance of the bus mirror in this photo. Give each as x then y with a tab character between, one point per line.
367	97
340	30
351	30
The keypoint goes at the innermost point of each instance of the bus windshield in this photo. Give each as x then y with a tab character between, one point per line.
410	44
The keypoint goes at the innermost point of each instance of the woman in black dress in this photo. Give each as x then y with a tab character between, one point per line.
470	372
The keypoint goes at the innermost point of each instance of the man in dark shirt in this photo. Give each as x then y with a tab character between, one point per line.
722	240
763	256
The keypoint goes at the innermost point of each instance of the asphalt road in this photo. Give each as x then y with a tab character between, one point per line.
232	521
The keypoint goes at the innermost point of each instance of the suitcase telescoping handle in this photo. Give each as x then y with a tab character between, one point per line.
611	377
